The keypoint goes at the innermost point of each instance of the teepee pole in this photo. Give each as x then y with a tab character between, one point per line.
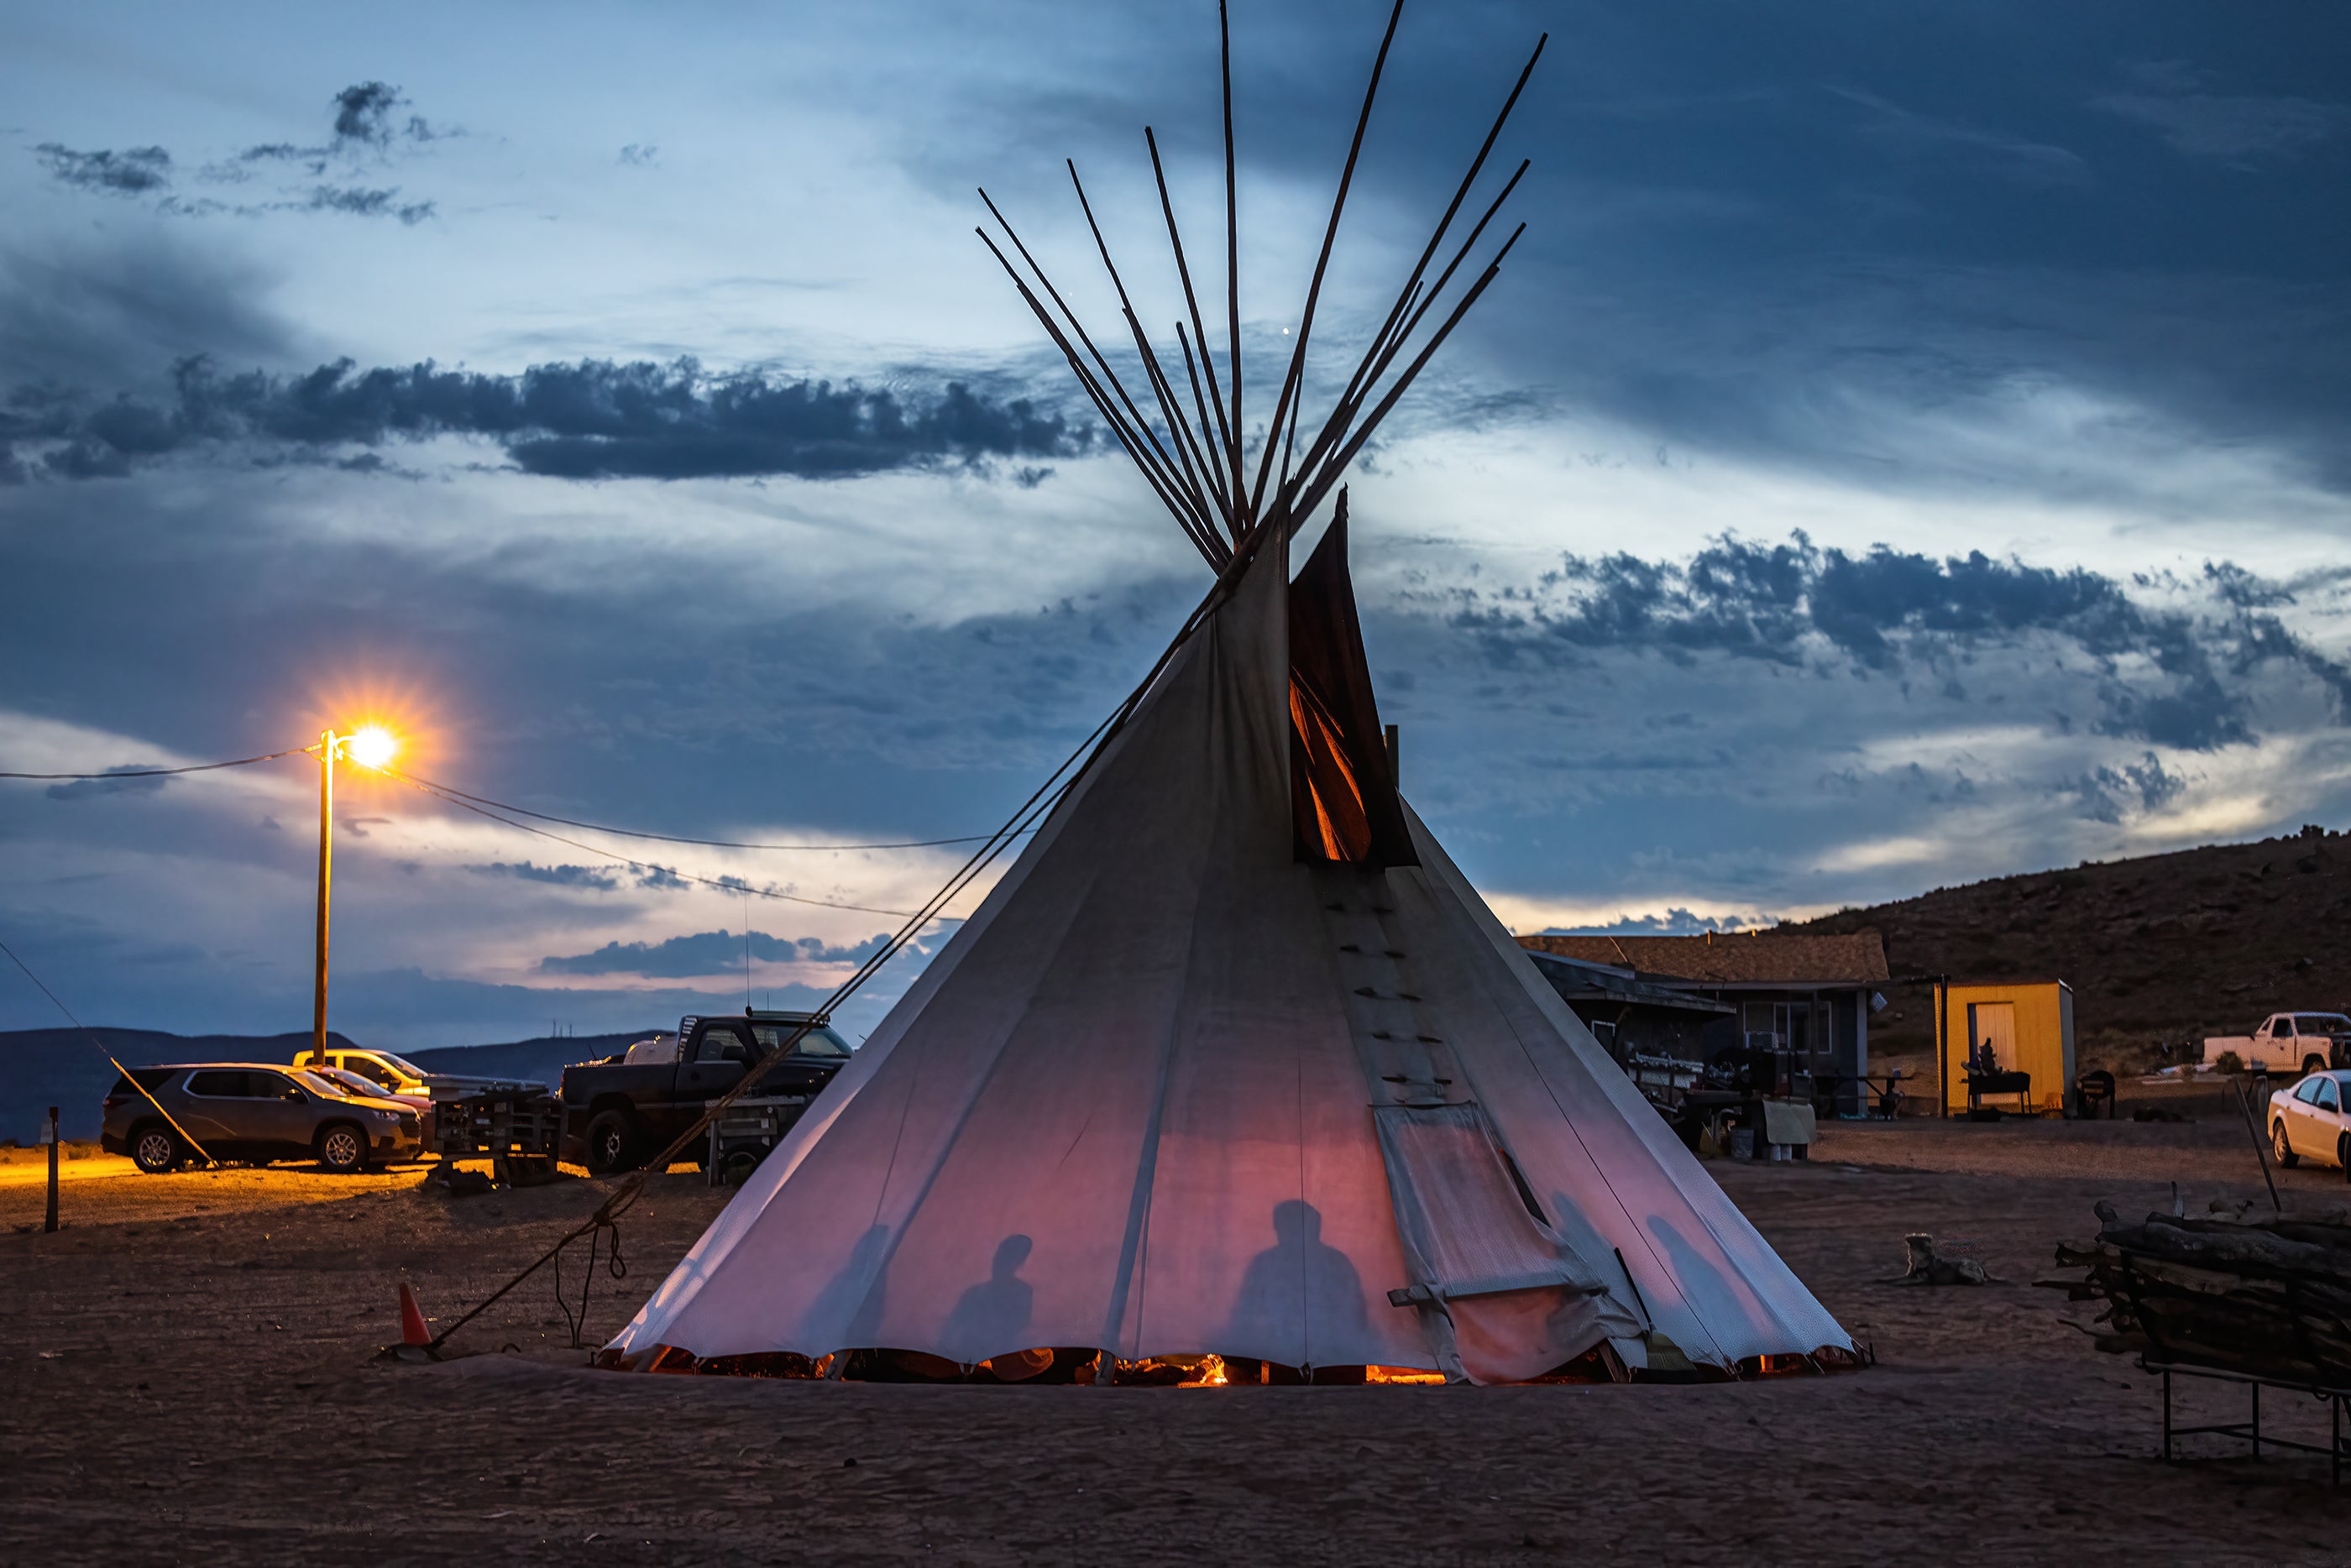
1289	383
1232	273
1384	349
1461	192
1198	507
1210	549
1192	305
1412	324
1337	465
1168	409
1200	403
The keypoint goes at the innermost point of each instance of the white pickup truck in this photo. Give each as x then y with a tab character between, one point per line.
2289	1042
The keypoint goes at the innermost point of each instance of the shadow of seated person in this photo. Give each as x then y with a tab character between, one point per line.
992	1316
1299	1275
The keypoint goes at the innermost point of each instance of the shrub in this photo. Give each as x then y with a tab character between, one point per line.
2229	1061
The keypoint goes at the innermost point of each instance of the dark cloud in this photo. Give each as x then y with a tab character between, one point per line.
352	201
284	151
366	127
707	952
594	876
592	419
1897	614
366	114
134	172
366	203
2108	793
82	789
1674	922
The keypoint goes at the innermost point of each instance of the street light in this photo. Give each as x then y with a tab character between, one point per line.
370	746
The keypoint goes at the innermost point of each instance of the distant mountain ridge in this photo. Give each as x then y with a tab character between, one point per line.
2163	947
538	1060
2168	947
60	1067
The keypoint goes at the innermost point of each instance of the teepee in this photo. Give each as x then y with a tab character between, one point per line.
1233	1061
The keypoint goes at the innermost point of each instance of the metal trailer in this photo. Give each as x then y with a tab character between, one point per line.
742	1134
519	1131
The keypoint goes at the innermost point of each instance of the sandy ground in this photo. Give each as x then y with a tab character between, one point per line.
190	1376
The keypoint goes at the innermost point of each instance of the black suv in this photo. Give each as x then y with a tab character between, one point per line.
252	1111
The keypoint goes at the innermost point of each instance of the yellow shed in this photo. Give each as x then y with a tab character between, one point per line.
2029	1028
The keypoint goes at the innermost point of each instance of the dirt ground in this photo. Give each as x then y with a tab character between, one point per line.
191	1379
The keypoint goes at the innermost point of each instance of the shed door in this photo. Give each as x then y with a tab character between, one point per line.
1994	1023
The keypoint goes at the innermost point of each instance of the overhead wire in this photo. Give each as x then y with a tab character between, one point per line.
127	1076
675	838
163	772
731	885
452	791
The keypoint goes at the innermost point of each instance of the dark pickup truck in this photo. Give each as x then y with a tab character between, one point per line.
621	1111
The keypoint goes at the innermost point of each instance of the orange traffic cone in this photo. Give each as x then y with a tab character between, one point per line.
411	1319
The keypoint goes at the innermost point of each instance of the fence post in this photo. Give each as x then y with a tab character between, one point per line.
52	1223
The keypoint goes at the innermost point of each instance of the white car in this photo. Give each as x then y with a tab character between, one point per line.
401	1076
367	1089
2313	1120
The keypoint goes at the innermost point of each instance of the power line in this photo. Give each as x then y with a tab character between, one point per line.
462	804
128	1076
451	791
455	795
161	772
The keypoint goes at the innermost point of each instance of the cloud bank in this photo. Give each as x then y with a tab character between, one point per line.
709	952
592	418
2168	676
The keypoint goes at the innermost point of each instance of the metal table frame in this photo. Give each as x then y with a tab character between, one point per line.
753	1120
2250	1430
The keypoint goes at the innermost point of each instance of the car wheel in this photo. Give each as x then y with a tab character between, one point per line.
613	1144
2287	1159
2313	1063
155	1150
343	1149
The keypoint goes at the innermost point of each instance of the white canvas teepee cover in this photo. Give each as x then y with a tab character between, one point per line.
1171	1091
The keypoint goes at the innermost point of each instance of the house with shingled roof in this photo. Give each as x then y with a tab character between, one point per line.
1804	995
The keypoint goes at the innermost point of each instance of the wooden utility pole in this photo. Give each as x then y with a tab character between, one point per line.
52	1223
326	881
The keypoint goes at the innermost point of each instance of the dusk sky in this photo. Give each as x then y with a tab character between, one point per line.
1911	444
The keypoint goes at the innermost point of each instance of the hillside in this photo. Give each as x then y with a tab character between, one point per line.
60	1067
541	1060
45	1067
2166	947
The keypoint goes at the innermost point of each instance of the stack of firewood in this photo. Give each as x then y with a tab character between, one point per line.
2268	1294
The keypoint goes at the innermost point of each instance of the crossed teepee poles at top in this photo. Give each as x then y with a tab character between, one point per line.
1194	457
